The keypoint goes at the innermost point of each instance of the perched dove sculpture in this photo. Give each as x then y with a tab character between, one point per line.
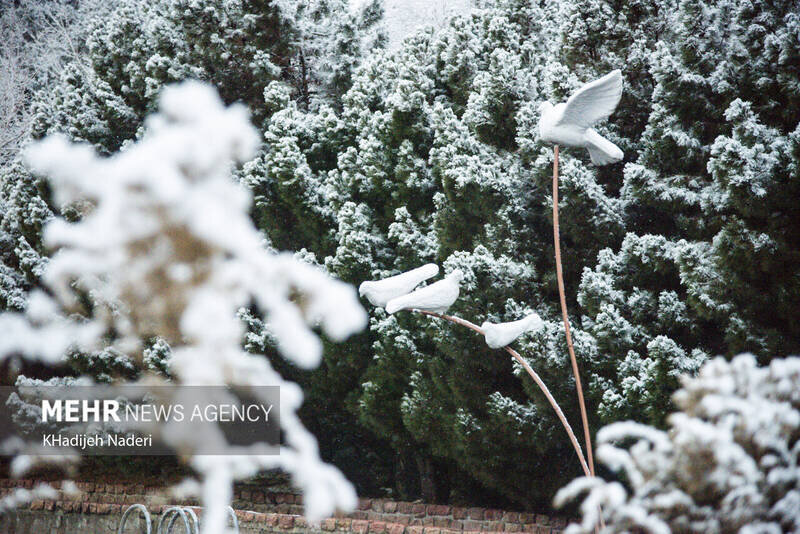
501	334
570	123
436	297
379	292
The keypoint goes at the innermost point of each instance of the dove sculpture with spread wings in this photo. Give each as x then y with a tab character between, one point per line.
570	123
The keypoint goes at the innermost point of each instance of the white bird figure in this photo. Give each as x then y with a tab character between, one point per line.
499	335
379	292
570	123
436	297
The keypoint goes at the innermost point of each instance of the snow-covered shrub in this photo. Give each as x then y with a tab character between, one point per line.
730	461
165	248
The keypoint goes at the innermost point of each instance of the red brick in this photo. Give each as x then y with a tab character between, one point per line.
378	527
103	508
542	530
456	524
494	526
415	530
417	522
529	527
258	497
475	513
240	514
364	504
427	521
271	519
441	522
373	516
396	528
360	514
472	526
404	507
390	507
492	514
418	509
512	527
286	521
359	526
377	505
511	517
343	523
328	524
37	505
402	520
459	512
300	522
438	509
432	530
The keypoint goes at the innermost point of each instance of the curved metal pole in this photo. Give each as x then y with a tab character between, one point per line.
124	518
175	512
232	513
565	317
532	373
193	517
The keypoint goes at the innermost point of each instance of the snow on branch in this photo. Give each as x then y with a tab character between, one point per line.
729	463
165	248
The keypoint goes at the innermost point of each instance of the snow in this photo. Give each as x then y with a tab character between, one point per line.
403	17
729	459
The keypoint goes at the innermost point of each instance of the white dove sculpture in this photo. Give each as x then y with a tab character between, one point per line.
436	297
498	335
379	292
570	123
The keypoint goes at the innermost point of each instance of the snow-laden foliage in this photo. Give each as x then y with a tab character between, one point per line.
430	154
164	248
435	157
729	462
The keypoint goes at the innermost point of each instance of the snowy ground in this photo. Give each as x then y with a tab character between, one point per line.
405	16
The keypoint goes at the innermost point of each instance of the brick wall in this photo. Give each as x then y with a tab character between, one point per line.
260	510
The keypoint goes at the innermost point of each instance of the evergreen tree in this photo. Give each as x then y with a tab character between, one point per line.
436	157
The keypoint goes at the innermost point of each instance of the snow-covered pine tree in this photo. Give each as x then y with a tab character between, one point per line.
136	47
435	157
709	266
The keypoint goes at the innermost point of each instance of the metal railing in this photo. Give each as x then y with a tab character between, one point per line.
169	518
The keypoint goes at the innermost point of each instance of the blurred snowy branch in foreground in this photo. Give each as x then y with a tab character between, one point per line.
165	248
729	463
